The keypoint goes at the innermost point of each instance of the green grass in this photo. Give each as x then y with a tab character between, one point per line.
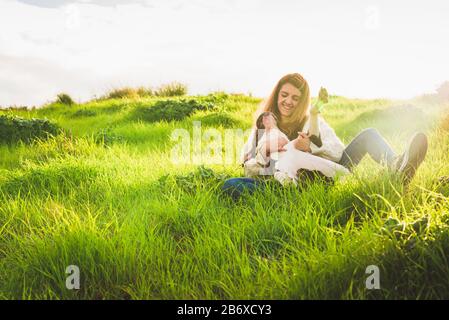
141	227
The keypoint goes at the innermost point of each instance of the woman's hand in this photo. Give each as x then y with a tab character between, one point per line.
302	143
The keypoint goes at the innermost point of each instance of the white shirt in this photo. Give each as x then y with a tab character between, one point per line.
332	148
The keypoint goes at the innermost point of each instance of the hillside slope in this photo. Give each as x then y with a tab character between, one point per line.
105	196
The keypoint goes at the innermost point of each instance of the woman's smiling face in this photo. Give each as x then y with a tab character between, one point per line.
288	99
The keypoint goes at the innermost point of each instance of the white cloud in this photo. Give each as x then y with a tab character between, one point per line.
86	47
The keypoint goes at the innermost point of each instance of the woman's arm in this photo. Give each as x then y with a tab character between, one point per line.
314	128
314	123
332	147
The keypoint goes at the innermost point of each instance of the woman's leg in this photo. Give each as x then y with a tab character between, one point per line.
235	187
368	141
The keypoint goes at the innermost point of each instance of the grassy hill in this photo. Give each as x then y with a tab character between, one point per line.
104	195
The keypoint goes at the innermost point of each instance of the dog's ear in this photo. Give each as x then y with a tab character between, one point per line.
259	122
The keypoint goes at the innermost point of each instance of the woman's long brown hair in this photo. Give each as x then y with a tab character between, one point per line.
295	122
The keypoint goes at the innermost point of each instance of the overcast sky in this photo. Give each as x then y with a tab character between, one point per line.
354	48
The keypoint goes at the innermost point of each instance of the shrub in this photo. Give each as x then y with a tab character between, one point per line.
216	98
64	98
444	122
84	113
16	108
16	129
173	110
106	137
220	119
145	92
443	91
428	98
123	93
173	89
129	93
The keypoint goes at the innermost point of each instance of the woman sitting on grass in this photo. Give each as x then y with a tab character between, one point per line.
290	103
284	165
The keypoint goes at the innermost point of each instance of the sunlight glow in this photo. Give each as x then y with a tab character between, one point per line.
354	48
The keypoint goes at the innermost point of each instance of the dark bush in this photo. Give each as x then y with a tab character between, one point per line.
216	98
173	110
443	91
84	113
128	93
16	108
106	137
123	93
220	119
173	89
144	92
64	98
16	129
444	122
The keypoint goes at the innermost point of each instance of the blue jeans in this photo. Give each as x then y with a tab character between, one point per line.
369	141
235	187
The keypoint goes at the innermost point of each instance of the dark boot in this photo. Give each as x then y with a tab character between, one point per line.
407	163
